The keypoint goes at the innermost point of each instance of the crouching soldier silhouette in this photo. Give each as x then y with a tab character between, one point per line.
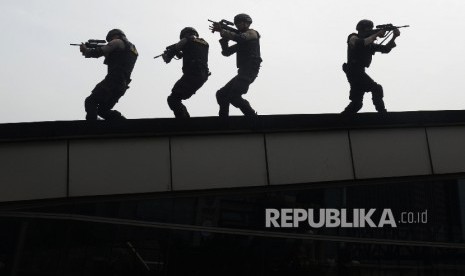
361	47
120	57
248	60
194	52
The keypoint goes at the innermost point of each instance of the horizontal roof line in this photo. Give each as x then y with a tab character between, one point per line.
235	124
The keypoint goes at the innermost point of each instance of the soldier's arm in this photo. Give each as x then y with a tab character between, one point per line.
227	50
114	45
390	45
248	35
180	45
385	48
355	41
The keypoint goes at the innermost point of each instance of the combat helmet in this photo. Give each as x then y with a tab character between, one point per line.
114	32
188	30
364	24
242	17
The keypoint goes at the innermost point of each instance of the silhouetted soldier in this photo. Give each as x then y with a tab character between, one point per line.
360	49
194	51
120	57
247	49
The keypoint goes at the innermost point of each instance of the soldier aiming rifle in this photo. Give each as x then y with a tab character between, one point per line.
194	52
361	47
120	57
248	60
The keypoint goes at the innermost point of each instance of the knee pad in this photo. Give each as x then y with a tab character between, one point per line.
90	105
89	101
172	101
221	97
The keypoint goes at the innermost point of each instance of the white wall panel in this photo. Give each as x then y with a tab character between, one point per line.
447	145
118	166
309	157
33	170
220	161
390	152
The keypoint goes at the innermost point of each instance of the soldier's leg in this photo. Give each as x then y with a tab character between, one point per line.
115	91
92	102
90	105
356	101
223	97
105	110
223	102
179	92
355	78
377	97
369	85
241	86
243	105
175	104
183	89
356	92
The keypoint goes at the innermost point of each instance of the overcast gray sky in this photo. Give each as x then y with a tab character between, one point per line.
303	45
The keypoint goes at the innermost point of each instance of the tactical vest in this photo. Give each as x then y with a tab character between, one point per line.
195	56
248	54
359	55
122	61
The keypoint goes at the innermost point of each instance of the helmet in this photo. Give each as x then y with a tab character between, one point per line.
188	30
114	32
242	17
364	24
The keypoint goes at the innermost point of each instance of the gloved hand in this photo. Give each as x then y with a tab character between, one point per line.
167	57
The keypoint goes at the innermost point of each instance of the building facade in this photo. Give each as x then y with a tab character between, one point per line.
278	195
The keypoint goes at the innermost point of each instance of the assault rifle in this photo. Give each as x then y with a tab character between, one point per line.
388	28
170	52
92	43
224	25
